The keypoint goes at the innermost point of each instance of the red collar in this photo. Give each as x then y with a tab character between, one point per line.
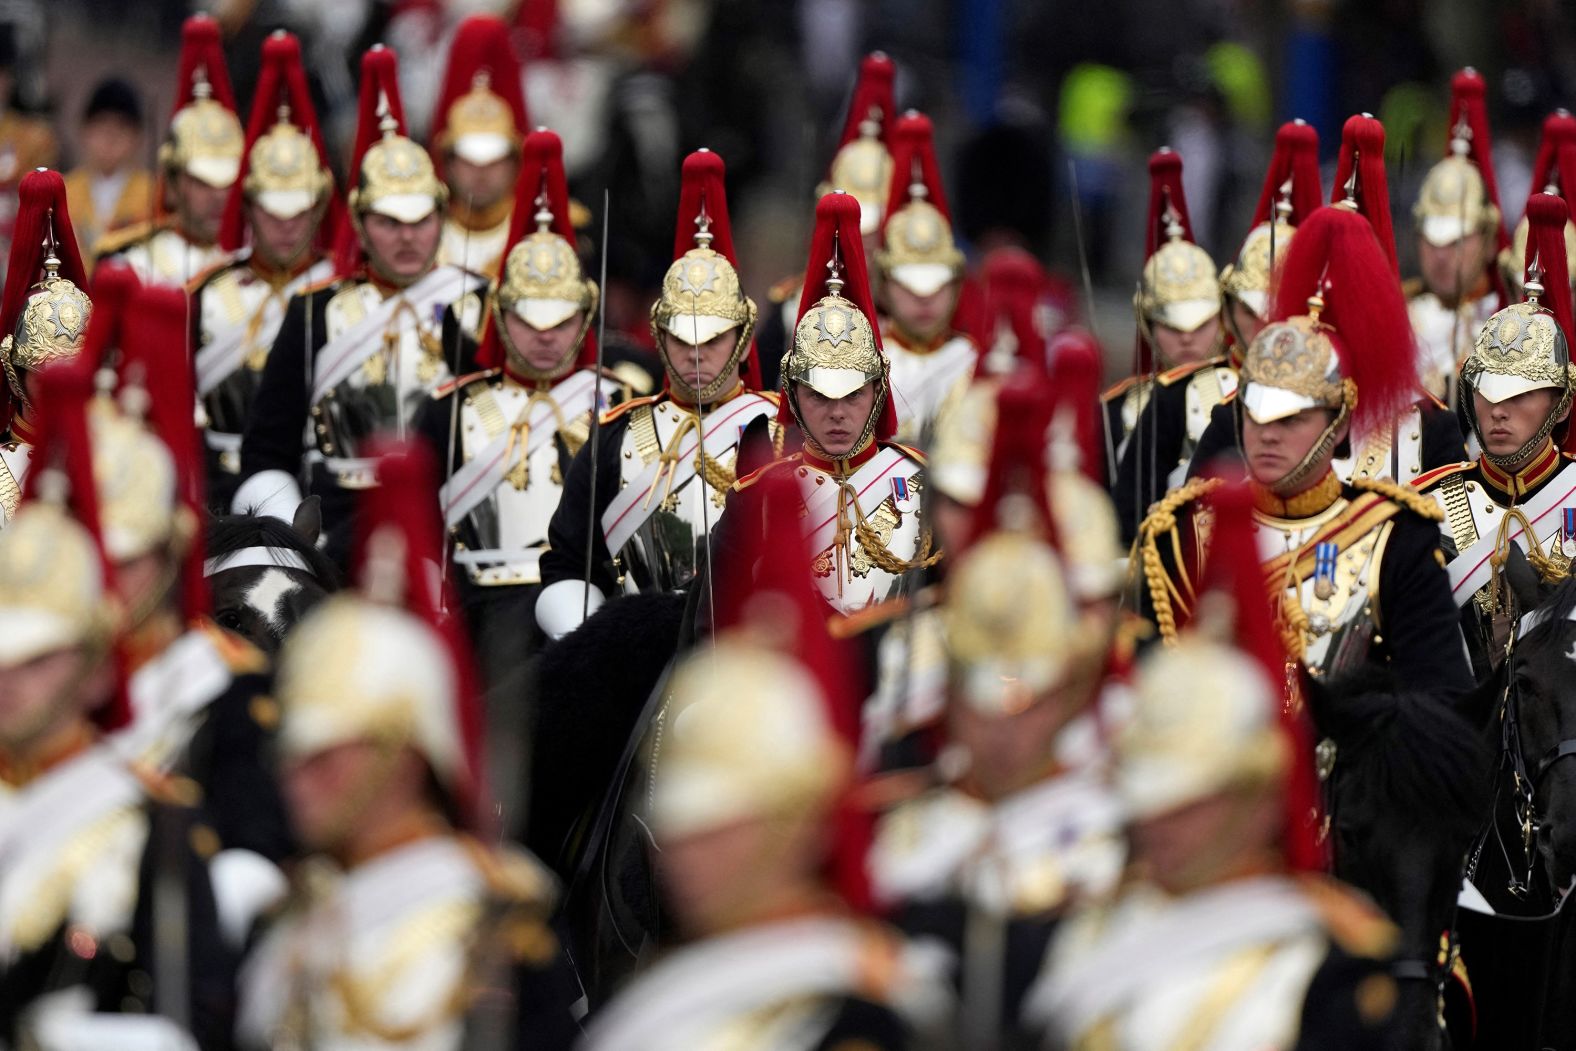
734	393
896	333
1518	485
843	466
23	430
279	278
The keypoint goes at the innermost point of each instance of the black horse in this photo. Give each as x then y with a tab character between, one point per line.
1407	794
265	574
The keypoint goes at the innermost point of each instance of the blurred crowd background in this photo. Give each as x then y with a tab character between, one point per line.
1045	109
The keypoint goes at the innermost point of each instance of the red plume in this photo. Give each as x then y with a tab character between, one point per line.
1296	158
64	445
1165	195
1546	219
1076	368
1010	276
873	97
41	210
1362	146
114	283
914	163
402	502
481	45
1467	107
704	186
837	225
771	589
154	356
1232	570
541	172
1024	407
202	50
281	82
379	81
1335	252
1550	167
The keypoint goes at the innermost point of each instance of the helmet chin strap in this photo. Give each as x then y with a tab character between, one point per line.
1531	445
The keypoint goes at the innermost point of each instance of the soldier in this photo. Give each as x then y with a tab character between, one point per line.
198	162
511	432
1460	231
921	282
357	356
86	835
1356	566
1506	515
1022	824
402	917
477	131
1553	168
665	463
862	492
199	695
1179	305
1222	935
746	801
279	202
44	316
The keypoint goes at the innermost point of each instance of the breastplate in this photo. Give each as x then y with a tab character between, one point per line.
230	302
14	458
1400	446
863	570
383	393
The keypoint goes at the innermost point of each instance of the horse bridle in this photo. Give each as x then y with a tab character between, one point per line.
1524	784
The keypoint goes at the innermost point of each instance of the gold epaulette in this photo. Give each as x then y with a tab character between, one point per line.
1352	922
620	409
848	625
1162	520
1178	373
239	656
760	472
1412	287
780	292
1404	495
1428	396
773	396
209	274
579	215
911	452
119	240
1439	474
443	390
327	282
1116	390
166	788
523	895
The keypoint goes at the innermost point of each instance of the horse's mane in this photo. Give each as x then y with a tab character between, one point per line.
230	533
1562	601
1409	755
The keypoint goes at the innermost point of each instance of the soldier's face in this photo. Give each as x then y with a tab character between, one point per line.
1452	269
923	317
836	424
1274	449
1245	322
714	878
282	243
698	365
402	252
201	206
543	349
1508	425
1009	750
481	185
1184	348
1198	843
36	696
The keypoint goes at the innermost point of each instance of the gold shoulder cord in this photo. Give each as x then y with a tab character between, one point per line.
1163	592
1458	512
1404	495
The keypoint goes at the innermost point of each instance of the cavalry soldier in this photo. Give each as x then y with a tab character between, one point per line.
665	463
1023	824
1180	358
403	914
198	162
356	357
477	130
1460	232
282	201
511	432
1223	935
44	316
1424	434
1553	168
747	799
921	282
862	492
1355	567
861	166
87	835
1515	499
198	694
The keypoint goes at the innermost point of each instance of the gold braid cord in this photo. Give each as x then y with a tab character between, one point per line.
1404	495
1162	521
717	474
870	540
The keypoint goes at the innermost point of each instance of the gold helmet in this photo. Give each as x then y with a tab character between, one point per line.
1247	278
918	252
284	176
862	166
50	328
52	592
1178	287
205	139
1458	196
1512	260
480	116
702	296
394	176
136	478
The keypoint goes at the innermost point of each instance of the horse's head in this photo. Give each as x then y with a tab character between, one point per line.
1409	791
265	574
1541	726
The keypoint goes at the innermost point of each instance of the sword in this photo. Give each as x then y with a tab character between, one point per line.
1088	287
596	408
454	406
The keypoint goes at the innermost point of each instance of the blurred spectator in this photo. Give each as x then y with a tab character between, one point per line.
109	190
